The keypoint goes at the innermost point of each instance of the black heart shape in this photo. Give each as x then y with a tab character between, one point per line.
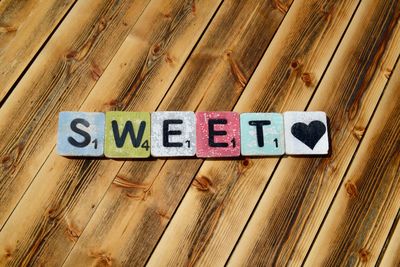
309	134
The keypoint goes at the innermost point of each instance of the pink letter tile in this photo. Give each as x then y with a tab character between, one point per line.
218	134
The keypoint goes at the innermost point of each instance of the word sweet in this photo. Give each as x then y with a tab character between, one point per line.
119	134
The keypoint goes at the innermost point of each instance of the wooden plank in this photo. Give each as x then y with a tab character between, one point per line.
391	256
215	209
362	213
138	207
298	196
136	79
24	28
60	79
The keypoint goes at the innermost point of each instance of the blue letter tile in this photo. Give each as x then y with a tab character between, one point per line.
81	134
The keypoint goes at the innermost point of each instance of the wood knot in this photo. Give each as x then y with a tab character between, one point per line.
280	6
364	255
19	147
169	59
236	70
115	104
82	52
245	162
163	215
358	132
101	25
144	193
156	49
193	6
244	165
351	189
227	54
7	29
71	55
295	64
95	71
202	183
121	181
307	78
103	258
140	197
6	161
72	232
327	10
353	110
52	213
387	73
8	253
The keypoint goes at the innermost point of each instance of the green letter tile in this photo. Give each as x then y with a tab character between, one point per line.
127	134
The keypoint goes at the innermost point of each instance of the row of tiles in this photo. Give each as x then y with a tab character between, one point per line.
119	134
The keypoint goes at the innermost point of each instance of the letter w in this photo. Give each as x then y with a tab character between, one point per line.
128	128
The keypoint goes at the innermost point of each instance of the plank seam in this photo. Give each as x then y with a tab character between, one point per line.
388	238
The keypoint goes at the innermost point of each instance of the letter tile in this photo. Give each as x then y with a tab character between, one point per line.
127	134
306	133
173	134
80	134
261	134
217	134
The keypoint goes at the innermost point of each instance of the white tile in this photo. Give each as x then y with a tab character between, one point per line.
306	133
173	134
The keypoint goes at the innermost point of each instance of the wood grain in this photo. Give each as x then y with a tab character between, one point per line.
60	79
362	213
24	28
301	190
144	194
204	55
215	209
391	256
64	203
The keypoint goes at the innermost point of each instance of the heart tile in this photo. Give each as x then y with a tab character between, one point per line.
306	133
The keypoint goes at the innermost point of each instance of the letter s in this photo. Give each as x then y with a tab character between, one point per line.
86	136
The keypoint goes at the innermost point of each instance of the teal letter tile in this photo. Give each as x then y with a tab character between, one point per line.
262	134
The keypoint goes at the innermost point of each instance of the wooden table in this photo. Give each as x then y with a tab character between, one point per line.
339	56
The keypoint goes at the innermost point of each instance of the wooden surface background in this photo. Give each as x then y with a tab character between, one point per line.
339	56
